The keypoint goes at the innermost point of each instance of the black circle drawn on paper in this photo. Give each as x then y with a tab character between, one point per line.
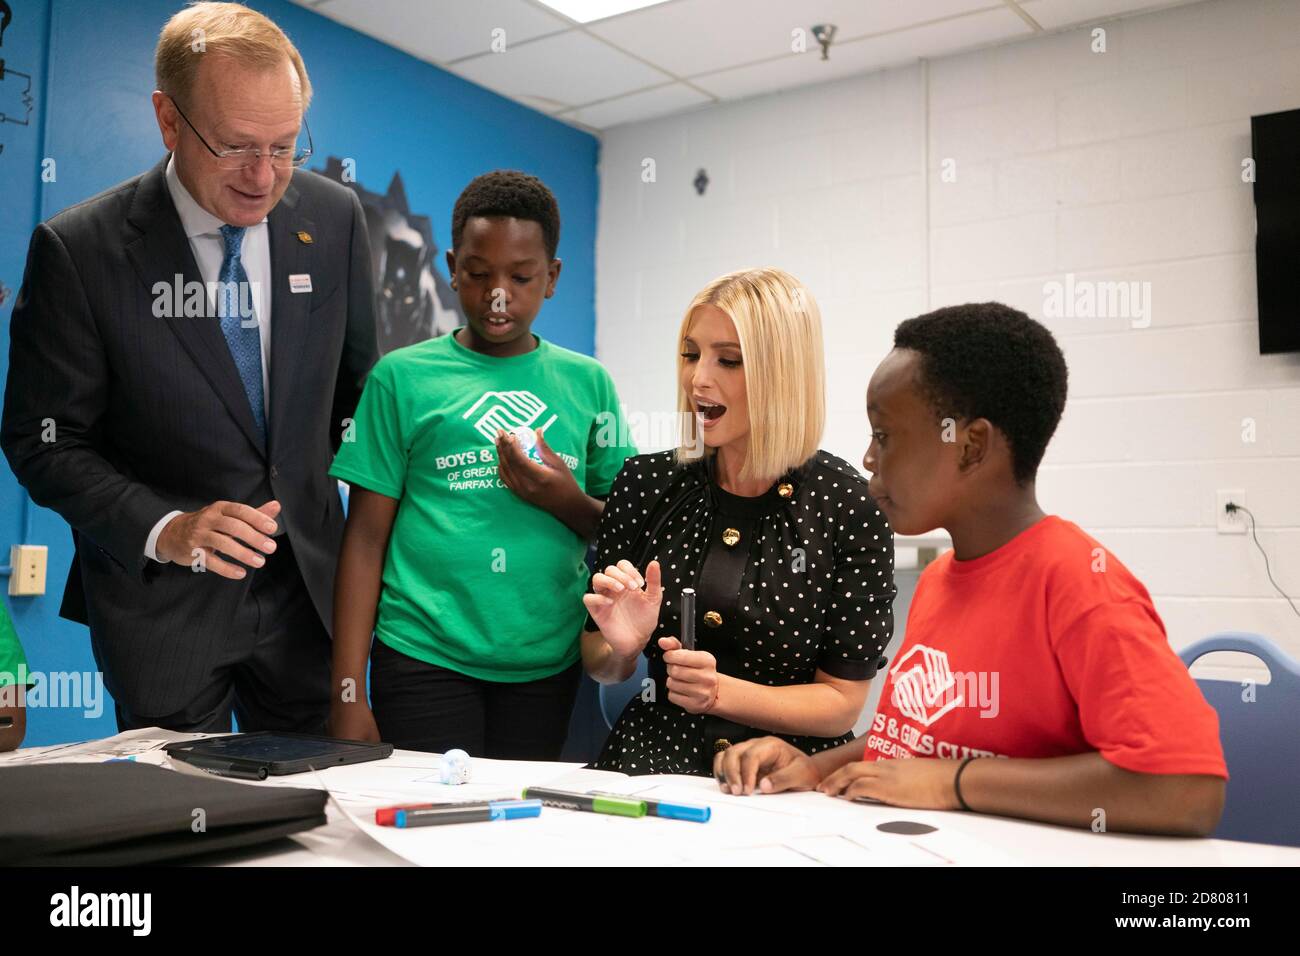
905	827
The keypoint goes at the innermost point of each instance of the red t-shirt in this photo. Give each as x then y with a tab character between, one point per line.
1045	647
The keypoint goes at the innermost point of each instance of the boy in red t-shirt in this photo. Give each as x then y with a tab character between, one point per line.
1028	645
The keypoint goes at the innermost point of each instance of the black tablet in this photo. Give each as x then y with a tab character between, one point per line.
266	753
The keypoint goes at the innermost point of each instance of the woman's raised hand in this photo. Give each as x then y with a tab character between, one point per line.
625	606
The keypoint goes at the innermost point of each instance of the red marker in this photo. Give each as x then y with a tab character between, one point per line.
387	816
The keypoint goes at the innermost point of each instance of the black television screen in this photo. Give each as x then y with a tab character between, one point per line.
1275	146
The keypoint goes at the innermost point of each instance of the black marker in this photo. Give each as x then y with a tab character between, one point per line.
228	768
497	810
617	805
688	618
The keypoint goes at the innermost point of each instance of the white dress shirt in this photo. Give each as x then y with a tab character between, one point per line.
204	233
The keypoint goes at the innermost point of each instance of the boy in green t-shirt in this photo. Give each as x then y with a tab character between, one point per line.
467	529
13	684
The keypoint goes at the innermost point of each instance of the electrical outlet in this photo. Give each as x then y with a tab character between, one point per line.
1234	523
28	563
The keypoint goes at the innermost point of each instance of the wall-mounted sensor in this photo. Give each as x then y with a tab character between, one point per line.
824	33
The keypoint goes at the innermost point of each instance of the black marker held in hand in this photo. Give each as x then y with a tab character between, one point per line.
688	618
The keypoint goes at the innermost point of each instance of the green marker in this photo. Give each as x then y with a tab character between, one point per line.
592	803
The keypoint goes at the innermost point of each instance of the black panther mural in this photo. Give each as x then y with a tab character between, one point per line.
413	301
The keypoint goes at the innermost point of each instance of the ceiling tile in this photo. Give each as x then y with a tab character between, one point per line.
688	37
870	54
638	106
442	30
948	36
570	68
1056	14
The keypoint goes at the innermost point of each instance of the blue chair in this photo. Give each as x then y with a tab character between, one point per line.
614	697
1261	742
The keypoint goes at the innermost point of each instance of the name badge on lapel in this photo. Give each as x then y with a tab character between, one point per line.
300	283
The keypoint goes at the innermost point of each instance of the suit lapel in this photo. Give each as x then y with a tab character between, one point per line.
290	310
160	252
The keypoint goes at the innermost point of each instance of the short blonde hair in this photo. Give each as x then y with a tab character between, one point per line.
226	29
779	328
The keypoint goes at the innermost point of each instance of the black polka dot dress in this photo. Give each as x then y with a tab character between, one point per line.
798	579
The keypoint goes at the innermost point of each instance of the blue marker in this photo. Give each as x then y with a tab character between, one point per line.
672	811
497	810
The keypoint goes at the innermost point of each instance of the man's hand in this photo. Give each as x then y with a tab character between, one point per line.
918	783
239	532
693	682
766	764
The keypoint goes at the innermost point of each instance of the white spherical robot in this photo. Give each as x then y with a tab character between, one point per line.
455	767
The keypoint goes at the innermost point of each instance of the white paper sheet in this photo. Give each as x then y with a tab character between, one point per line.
143	746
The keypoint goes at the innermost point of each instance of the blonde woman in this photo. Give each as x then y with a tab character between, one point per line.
791	560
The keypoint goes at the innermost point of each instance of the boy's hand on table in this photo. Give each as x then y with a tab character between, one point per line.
765	764
918	783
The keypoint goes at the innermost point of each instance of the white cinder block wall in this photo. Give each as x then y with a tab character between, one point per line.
1117	166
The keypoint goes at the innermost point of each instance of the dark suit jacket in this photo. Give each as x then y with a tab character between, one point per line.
149	415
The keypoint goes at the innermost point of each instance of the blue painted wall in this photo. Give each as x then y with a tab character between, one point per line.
92	65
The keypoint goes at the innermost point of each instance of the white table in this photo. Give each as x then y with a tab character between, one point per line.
962	838
781	829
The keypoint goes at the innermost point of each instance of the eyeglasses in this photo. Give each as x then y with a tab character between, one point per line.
240	158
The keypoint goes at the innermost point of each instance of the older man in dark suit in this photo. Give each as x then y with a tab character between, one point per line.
185	352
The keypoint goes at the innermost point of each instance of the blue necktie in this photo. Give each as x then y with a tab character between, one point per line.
244	339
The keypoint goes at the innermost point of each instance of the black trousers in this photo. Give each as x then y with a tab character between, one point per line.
276	675
421	706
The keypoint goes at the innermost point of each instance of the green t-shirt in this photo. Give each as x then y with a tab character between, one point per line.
476	579
13	663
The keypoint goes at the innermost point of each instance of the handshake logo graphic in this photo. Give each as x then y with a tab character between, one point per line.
508	411
924	685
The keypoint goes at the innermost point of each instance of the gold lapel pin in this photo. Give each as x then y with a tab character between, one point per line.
304	237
